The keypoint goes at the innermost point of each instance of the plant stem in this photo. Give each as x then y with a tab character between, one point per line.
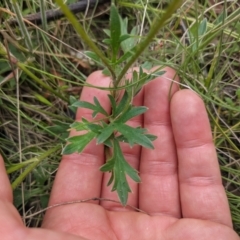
157	25
23	29
79	29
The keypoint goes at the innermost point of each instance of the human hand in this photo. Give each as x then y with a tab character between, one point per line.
181	189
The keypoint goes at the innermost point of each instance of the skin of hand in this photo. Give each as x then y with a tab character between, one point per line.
181	188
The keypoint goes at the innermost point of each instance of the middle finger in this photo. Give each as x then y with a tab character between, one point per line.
158	193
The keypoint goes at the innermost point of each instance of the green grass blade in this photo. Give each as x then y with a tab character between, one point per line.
31	167
157	25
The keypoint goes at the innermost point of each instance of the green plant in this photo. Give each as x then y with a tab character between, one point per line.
200	41
113	129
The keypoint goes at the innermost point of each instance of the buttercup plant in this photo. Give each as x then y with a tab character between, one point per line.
113	129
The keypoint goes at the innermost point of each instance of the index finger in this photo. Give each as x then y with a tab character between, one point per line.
158	169
78	176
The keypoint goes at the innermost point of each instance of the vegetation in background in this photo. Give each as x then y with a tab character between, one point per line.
44	68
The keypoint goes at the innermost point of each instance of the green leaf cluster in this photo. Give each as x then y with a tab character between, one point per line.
111	134
121	43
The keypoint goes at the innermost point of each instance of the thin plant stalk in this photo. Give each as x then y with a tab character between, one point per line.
22	26
157	25
43	15
80	30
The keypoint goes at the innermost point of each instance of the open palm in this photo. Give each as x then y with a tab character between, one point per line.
181	189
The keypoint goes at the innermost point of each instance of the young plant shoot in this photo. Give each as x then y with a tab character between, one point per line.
113	129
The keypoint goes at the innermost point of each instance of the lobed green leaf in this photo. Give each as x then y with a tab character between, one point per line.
84	105
108	166
121	166
79	126
96	128
106	132
132	112
78	143
122	104
134	135
113	104
131	172
99	108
